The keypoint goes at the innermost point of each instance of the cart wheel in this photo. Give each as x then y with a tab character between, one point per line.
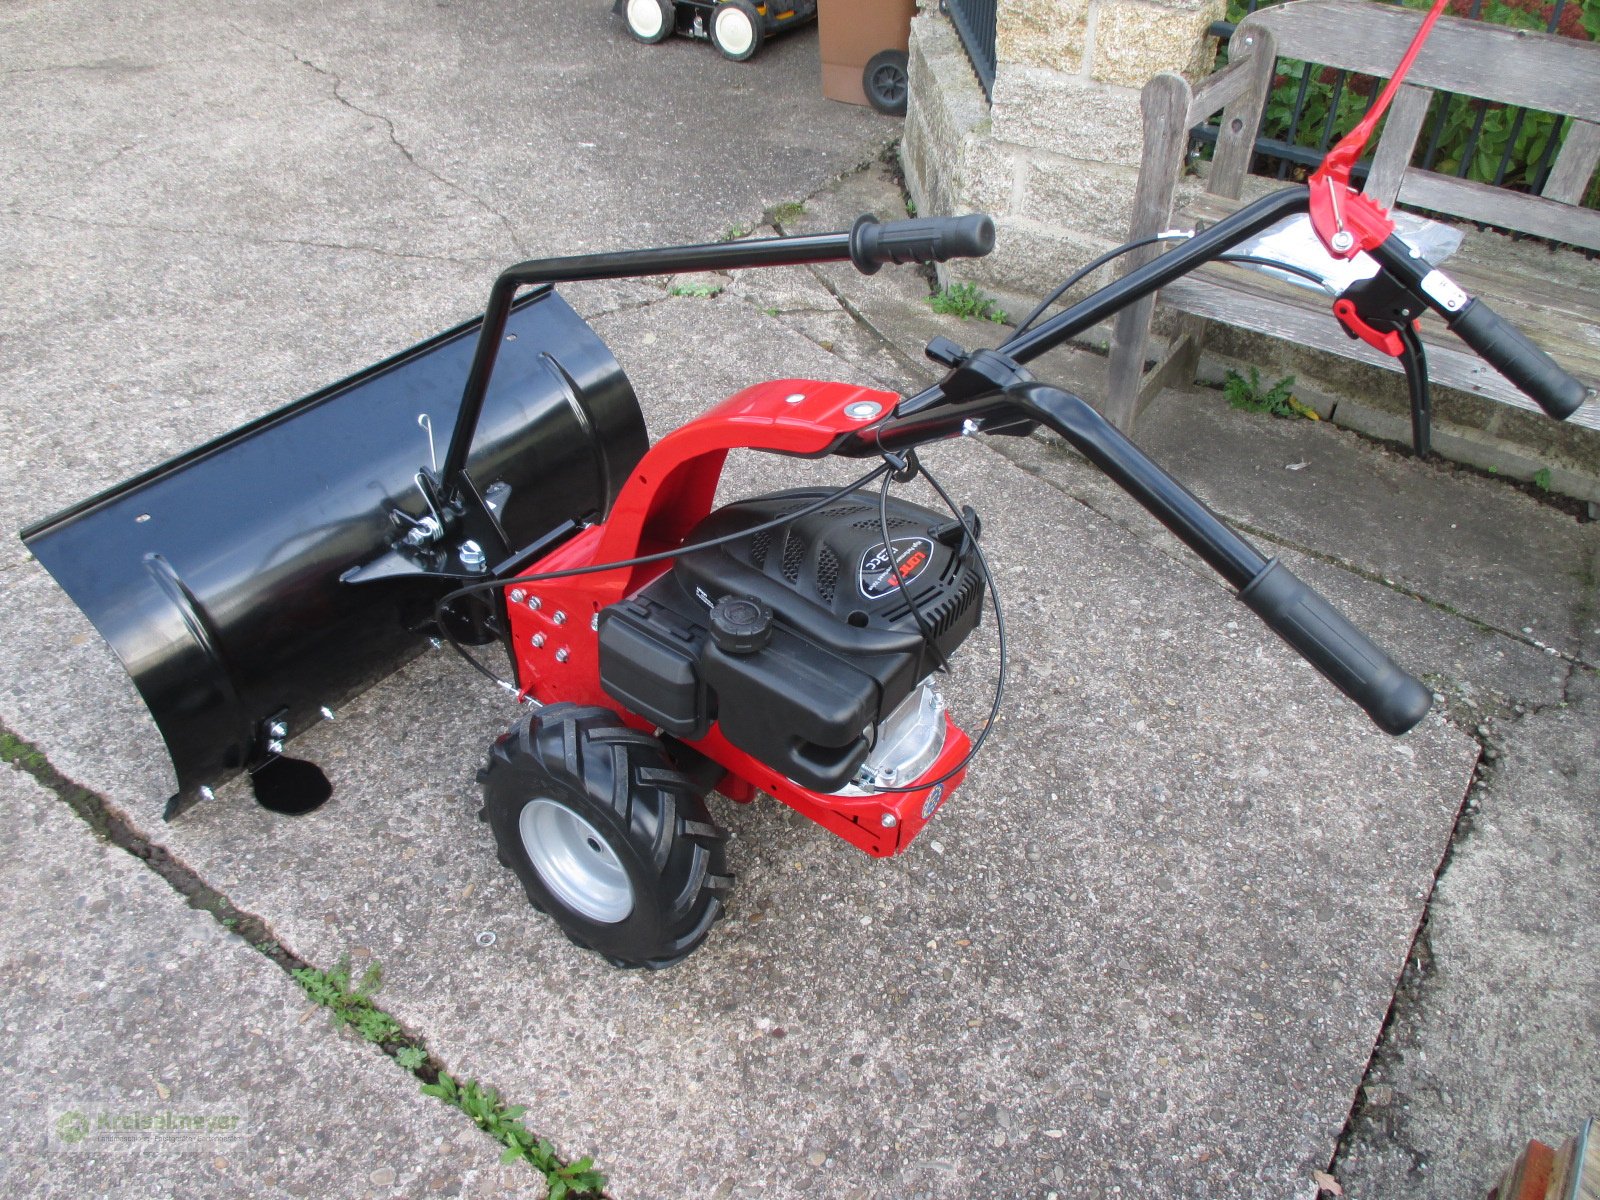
650	20
887	82
736	29
605	836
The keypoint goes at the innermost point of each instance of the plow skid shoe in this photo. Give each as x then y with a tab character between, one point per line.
216	577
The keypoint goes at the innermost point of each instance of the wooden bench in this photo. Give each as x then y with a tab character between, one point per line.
1540	71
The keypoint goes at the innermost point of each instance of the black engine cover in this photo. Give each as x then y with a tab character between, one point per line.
844	647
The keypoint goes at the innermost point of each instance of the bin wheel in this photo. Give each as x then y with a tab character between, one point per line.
736	29
605	836
650	21
887	81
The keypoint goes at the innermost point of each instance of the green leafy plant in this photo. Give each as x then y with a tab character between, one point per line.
696	291
788	213
352	1004
911	208
1541	479
503	1122
1251	396
964	300
411	1058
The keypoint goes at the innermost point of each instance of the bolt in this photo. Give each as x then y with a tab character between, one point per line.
794	397
888	820
275	746
560	617
472	556
1343	240
535	603
278	729
562	655
538	640
518	595
594	621
206	793
862	410
435	643
969	428
486	938
327	713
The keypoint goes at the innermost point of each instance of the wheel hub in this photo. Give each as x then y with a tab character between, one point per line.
575	861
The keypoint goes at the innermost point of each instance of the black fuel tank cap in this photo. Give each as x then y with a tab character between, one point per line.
740	625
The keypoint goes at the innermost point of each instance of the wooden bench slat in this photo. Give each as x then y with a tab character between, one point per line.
1398	142
1497	206
1574	167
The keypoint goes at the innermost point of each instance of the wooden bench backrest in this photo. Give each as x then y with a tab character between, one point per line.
1471	58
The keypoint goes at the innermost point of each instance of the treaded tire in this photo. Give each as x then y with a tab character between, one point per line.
649	869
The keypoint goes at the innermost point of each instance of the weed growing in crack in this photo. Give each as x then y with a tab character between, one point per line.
964	300
353	1005
788	214
695	291
503	1122
1277	400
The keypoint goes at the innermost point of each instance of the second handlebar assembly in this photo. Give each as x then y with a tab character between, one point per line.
1316	630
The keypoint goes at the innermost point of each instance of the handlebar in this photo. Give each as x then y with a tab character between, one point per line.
1535	374
929	239
1316	630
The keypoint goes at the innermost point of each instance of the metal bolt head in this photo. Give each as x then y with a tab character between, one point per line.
275	746
794	397
888	820
535	603
537	640
862	410
560	618
472	556
206	793
594	621
518	595
278	729
562	655
486	938
327	713
1343	240
969	428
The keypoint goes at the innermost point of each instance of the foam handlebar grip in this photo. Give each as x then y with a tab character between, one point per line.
928	239
1346	657
1504	347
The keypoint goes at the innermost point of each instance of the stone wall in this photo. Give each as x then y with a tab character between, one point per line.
1055	157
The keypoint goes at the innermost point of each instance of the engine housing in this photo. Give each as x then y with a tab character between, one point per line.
800	641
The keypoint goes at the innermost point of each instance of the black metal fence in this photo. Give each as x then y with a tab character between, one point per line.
1312	106
975	22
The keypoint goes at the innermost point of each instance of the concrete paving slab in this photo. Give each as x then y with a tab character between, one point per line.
1148	946
1498	1042
149	1052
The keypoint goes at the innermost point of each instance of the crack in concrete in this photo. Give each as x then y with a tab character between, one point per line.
406	152
244	239
111	827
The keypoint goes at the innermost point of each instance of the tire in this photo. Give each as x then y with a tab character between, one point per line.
887	82
650	21
605	835
737	30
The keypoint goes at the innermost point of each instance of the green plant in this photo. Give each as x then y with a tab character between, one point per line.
697	291
504	1123
911	208
1541	479
352	1005
411	1057
1249	395
24	754
734	232
964	300
784	214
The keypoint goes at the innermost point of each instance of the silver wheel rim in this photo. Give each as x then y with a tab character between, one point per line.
735	34
645	17
575	862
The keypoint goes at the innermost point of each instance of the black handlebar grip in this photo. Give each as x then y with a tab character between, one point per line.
1534	372
929	239
1345	656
